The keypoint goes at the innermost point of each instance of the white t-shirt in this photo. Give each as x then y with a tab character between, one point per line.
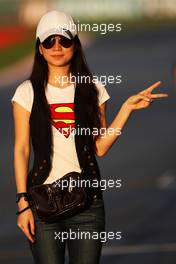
61	102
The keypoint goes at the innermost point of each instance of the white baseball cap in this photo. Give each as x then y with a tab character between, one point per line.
56	22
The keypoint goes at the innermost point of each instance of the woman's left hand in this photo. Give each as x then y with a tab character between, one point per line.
144	98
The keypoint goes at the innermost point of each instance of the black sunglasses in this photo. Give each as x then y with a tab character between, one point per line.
49	42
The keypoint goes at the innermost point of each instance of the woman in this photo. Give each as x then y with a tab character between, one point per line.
50	95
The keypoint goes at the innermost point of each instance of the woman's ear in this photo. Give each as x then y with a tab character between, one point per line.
40	50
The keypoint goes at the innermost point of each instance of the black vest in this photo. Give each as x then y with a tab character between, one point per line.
41	136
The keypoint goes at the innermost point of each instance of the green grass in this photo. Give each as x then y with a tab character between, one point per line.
11	55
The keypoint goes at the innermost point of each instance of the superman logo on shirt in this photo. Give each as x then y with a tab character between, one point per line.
63	117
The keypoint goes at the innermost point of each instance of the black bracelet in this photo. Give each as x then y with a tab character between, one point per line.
23	210
20	195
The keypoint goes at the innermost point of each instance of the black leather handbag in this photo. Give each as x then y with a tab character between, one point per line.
52	202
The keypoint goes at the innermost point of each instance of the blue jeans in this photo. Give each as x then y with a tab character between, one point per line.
49	247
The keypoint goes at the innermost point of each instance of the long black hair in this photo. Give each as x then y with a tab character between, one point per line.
78	67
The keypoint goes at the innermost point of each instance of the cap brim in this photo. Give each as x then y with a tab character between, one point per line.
55	31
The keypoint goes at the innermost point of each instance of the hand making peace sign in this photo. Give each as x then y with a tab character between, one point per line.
144	98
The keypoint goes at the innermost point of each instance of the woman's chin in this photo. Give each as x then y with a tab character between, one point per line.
59	62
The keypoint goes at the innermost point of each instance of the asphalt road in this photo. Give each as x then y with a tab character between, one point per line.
144	208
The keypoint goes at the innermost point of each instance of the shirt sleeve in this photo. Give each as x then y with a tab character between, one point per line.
103	94
24	95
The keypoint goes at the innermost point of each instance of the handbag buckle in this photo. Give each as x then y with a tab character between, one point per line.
49	194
